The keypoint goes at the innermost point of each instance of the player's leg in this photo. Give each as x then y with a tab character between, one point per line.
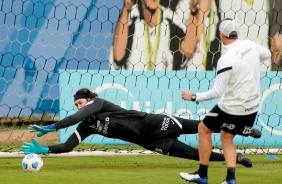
189	126
237	125
211	123
179	149
229	150
173	147
205	149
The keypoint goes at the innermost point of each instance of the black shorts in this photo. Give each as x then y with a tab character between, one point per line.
217	120
158	126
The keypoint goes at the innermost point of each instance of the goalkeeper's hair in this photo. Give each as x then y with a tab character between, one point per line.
86	91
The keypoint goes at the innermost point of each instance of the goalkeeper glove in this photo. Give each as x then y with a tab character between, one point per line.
42	130
28	148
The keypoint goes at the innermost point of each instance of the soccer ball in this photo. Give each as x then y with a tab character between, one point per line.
32	163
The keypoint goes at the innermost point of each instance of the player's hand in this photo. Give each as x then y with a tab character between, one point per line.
42	130
187	95
34	147
276	48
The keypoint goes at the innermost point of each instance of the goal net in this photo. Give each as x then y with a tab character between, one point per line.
135	54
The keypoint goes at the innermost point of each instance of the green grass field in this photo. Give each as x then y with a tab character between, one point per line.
151	169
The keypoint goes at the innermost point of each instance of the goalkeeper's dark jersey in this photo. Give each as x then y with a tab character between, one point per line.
110	120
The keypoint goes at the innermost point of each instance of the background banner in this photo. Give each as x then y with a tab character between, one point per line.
160	92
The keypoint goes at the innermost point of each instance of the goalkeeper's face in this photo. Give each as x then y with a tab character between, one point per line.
80	103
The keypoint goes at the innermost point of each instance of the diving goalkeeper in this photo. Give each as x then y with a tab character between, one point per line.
155	132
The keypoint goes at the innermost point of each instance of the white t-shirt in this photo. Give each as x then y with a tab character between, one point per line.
238	78
252	16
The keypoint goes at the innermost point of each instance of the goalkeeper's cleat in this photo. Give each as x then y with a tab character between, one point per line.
193	177
243	161
255	133
233	181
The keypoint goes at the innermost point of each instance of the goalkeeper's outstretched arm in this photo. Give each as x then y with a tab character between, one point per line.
68	146
73	119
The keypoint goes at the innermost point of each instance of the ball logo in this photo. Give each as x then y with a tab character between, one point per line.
34	165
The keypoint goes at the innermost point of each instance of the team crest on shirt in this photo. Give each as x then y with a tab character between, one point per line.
103	127
100	126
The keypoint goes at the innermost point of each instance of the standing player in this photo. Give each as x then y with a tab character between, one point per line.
238	84
155	132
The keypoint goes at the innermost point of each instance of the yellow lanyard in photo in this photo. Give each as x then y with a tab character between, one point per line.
207	40
151	55
250	2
